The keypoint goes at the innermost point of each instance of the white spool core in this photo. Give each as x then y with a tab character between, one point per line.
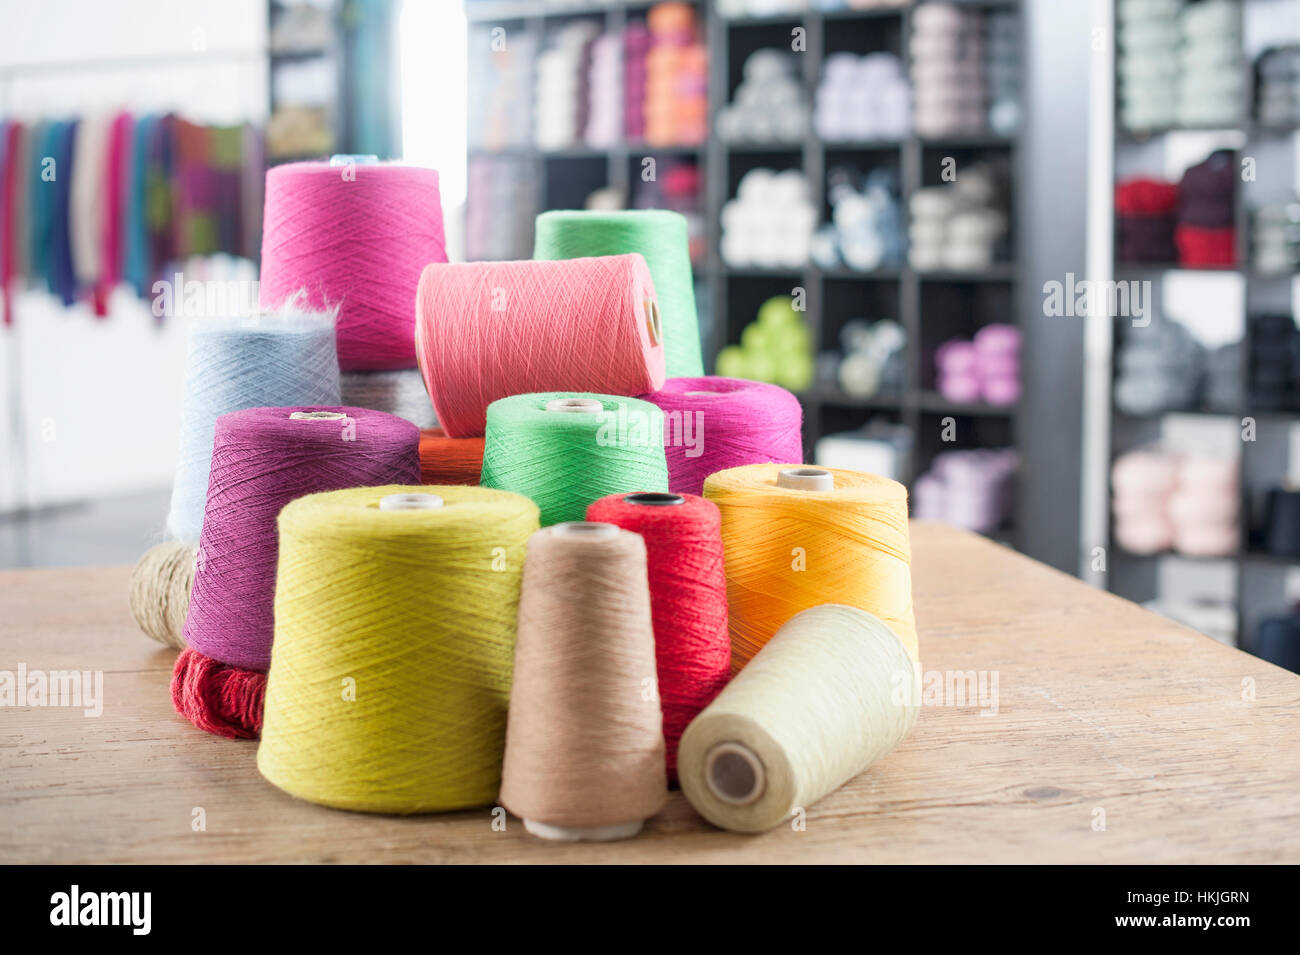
317	416
591	530
358	159
704	394
735	774
575	405
652	323
619	830
410	502
806	479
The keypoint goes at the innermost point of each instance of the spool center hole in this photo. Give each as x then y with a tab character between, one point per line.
652	321
735	774
654	499
589	405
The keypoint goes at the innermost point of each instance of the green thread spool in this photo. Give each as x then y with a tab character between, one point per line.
661	238
565	450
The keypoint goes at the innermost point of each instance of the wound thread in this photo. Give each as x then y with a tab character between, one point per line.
564	457
688	600
829	695
394	643
788	549
488	330
584	747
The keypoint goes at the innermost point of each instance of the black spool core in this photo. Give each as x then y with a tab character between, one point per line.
654	499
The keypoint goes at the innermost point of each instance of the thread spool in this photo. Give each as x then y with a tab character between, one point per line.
584	752
269	360
793	543
487	330
445	460
262	459
353	238
394	641
218	698
160	591
1282	522
688	599
661	238
746	422
398	393
818	705
770	222
566	450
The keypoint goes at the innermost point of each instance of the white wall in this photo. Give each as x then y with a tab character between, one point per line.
89	407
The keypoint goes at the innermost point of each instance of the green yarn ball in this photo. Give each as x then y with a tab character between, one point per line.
564	460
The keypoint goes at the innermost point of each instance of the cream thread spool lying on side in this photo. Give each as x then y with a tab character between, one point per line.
827	696
584	741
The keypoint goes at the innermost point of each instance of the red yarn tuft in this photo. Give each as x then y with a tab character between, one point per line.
218	698
688	601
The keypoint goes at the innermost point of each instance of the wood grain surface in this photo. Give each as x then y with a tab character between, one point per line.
1118	737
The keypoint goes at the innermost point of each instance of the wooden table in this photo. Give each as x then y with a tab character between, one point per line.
1118	737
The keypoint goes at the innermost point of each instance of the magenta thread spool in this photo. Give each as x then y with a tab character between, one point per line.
262	459
713	423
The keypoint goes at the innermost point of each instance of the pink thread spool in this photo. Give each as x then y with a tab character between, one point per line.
353	236
712	423
488	330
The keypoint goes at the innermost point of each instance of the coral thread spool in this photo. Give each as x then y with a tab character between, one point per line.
489	330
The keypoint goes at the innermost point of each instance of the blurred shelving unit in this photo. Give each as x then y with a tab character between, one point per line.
1257	579
331	83
931	306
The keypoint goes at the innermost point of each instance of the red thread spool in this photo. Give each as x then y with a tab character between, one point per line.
445	460
218	698
688	599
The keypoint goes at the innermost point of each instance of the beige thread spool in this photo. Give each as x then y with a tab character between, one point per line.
160	591
584	740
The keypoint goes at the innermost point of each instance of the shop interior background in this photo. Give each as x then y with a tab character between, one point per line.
89	405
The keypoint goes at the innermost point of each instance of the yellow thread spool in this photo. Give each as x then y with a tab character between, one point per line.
394	641
796	536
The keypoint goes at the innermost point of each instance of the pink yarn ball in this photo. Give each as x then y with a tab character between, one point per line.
960	388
